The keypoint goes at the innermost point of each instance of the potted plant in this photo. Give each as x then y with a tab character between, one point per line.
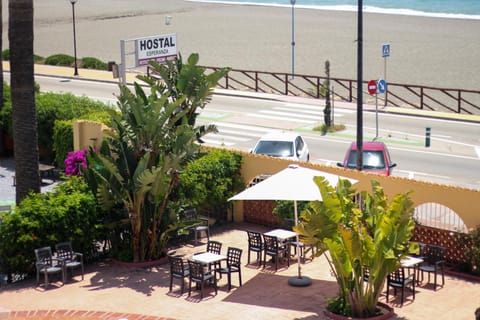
358	237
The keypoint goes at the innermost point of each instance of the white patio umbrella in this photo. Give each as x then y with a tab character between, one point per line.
292	183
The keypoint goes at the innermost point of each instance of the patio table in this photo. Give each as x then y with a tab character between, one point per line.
281	234
208	257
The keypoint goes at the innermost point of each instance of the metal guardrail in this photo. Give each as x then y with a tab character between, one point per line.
398	95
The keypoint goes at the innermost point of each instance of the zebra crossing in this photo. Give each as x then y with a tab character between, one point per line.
235	133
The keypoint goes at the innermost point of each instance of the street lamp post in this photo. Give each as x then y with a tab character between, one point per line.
74	38
360	86
293	37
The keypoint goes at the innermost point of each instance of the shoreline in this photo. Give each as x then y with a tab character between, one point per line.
424	51
353	9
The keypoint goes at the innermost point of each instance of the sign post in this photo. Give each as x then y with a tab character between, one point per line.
385	55
373	89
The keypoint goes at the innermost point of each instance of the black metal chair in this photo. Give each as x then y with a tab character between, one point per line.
398	279
71	259
201	223
48	265
214	247
434	262
276	250
178	270
255	244
200	277
234	256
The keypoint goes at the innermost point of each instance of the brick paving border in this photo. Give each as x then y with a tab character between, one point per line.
76	314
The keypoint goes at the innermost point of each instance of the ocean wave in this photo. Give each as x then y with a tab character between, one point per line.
350	8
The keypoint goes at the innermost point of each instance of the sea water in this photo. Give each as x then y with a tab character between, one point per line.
461	9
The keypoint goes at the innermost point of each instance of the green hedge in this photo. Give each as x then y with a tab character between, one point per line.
62	141
44	219
60	59
208	182
93	63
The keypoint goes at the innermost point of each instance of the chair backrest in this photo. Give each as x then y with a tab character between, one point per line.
435	253
422	248
177	266
64	250
271	243
397	276
254	239
234	256
44	255
214	246
196	270
190	214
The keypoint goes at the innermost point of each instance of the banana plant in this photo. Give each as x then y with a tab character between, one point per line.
363	240
151	138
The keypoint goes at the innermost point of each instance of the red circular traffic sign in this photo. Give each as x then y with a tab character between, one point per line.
372	86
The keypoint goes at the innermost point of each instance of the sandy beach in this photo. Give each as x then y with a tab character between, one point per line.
426	51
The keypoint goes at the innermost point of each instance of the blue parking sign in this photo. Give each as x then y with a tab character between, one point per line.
381	86
386	50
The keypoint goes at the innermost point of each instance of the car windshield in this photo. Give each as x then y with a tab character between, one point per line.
371	159
275	148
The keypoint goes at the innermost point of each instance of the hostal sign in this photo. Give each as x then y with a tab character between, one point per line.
158	48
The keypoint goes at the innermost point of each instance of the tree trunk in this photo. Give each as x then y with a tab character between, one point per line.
20	34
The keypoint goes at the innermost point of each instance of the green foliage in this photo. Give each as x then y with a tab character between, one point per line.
324	129
327	112
151	139
63	133
54	106
6	111
93	63
373	237
103	116
284	209
6	55
187	80
38	59
60	59
471	250
208	182
66	214
62	140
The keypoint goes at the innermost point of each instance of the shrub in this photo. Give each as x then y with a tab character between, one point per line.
52	107
6	55
209	181
38	59
66	214
471	250
93	63
60	60
62	140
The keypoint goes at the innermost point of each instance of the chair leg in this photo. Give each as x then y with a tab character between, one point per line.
240	277
229	281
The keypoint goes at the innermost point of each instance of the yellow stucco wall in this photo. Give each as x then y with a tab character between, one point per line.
465	202
88	134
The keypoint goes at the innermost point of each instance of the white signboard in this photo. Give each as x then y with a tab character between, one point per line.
159	48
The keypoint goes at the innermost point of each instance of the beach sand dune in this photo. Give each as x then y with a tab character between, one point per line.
426	51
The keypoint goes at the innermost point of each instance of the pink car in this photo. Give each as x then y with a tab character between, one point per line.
376	158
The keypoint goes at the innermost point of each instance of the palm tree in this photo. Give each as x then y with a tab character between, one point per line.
20	34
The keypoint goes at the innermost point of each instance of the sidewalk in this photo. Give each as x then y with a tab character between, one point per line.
107	76
115	292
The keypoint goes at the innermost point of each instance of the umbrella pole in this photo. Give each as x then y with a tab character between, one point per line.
298	281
